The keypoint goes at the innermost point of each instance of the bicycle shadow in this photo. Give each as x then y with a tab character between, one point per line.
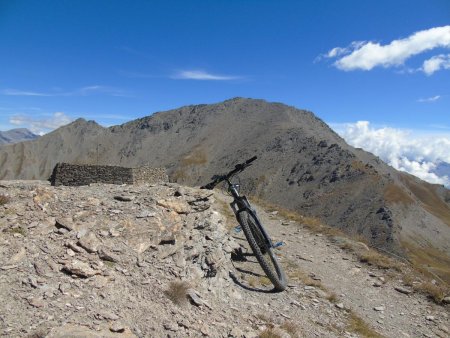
247	287
239	256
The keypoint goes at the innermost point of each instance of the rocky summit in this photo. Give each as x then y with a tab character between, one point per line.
164	260
302	165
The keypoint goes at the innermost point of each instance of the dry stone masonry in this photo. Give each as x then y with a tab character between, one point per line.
77	175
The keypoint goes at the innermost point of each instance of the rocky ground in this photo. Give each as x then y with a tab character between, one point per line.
165	261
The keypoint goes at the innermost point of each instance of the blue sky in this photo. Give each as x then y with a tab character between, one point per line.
386	62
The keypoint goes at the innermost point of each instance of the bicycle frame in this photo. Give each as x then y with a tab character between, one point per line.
257	237
240	203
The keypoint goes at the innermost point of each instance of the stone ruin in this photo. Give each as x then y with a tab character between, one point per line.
76	175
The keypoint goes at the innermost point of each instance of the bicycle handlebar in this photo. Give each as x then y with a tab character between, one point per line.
219	178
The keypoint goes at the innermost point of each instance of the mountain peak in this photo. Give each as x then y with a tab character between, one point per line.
82	121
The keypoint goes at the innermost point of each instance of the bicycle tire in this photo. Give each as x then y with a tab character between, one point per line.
263	252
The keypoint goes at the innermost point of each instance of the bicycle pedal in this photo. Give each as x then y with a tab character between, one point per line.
276	245
238	229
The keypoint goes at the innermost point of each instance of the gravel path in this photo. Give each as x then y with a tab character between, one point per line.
367	291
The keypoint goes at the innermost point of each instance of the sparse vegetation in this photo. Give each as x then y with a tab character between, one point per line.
296	274
346	246
291	328
428	260
381	261
358	325
4	199
359	166
434	291
409	279
177	292
428	264
395	194
256	281
312	223
196	158
332	297
18	230
269	332
420	257
427	194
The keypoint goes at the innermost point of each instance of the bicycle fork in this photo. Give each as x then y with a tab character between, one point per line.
242	205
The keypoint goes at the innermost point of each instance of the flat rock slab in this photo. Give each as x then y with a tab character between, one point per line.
80	269
179	206
403	290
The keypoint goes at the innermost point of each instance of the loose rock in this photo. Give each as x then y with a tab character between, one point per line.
403	290
80	269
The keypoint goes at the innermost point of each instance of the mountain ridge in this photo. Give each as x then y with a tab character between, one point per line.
303	165
16	135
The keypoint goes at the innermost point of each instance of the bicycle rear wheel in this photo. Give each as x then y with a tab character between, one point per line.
263	252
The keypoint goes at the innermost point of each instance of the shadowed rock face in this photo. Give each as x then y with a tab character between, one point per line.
16	135
302	165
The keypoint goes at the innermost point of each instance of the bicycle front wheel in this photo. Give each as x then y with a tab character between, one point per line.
263	252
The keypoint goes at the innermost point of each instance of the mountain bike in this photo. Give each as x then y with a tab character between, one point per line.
257	237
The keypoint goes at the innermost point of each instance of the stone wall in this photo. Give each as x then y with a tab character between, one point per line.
75	175
149	175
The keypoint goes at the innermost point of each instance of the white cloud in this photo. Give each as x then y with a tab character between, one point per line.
429	99
436	63
368	55
338	51
16	92
83	91
202	75
43	125
97	89
402	149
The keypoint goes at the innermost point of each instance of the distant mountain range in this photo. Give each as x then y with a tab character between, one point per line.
16	135
302	165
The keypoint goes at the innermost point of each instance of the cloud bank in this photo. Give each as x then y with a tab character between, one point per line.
365	55
41	126
417	155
